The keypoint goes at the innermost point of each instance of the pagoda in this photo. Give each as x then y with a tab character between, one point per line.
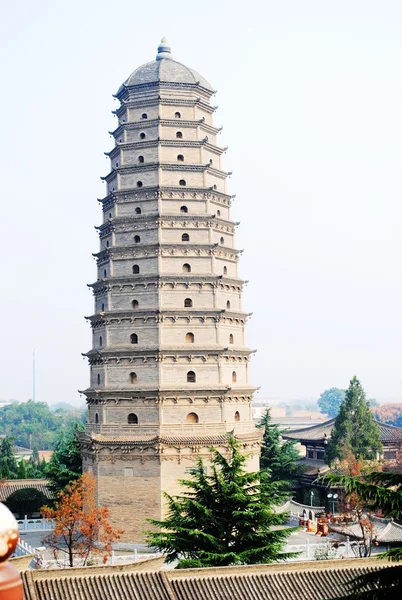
169	368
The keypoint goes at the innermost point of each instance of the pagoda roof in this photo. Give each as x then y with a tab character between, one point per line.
385	531
321	432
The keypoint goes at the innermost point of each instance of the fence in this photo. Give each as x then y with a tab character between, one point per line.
29	525
113	559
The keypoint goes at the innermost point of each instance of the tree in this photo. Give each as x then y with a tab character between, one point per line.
355	429
8	463
281	458
22	469
380	492
82	529
330	401
225	518
65	466
26	501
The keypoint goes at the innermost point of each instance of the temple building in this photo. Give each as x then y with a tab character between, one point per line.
169	368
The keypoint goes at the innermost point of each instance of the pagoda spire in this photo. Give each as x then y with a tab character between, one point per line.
164	50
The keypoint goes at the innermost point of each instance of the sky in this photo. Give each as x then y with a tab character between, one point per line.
309	95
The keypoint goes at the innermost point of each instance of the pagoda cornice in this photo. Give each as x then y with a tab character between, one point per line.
165	166
219	314
177	123
125	90
159	281
173	192
183	249
182	218
149	393
165	143
166	101
161	352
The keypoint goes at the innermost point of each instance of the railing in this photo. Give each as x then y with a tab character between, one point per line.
113	559
23	549
28	525
170	429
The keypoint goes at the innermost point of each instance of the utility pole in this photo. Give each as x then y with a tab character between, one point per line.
33	375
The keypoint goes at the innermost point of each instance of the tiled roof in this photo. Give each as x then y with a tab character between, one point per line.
315	581
388	433
385	531
12	485
295	508
207	440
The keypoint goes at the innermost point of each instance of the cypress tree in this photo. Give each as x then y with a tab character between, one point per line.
281	458
225	518
355	429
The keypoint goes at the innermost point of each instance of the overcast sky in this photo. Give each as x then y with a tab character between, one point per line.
310	96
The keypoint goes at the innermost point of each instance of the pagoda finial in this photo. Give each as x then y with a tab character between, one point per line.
164	50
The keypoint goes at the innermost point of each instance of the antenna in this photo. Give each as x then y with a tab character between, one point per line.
33	375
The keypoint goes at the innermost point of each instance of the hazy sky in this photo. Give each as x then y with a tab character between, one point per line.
310	97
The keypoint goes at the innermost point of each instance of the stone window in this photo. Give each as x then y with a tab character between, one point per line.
225	270
96	418
183	209
215	187
133	377
228	304
98	379
140	159
234	377
192	418
231	338
182	182
191	378
132	419
144	116
177	115
189	338
237	416
188	303
137	239
211	162
134	338
142	135
137	210
107	244
136	269
104	273
180	157
135	304
117	164
222	241
110	215
186	268
100	341
139	184
179	135
103	307
185	237
218	213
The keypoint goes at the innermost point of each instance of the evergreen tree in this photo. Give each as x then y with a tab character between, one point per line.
355	429
225	518
65	466
22	469
8	463
281	458
330	401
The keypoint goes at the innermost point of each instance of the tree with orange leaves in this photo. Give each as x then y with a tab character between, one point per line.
82	529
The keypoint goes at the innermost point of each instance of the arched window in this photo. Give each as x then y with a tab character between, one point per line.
177	115
117	164
104	273
137	239
228	304
188	303
132	419
135	304
180	157
189	338
231	338
141	159
96	418
182	182
218	213
100	341
144	116
222	240
139	184
98	379
103	307
133	377
211	161
110	215
225	270
234	377
136	269
134	338
215	187
191	377
137	210
179	135
186	268
142	135
183	209
192	418
185	237
107	244
237	416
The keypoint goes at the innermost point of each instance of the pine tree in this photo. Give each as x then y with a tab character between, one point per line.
225	518
355	429
281	458
65	466
8	463
22	469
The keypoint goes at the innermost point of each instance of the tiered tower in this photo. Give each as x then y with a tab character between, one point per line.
169	365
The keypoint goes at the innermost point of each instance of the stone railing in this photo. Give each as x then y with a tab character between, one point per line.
170	429
27	525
